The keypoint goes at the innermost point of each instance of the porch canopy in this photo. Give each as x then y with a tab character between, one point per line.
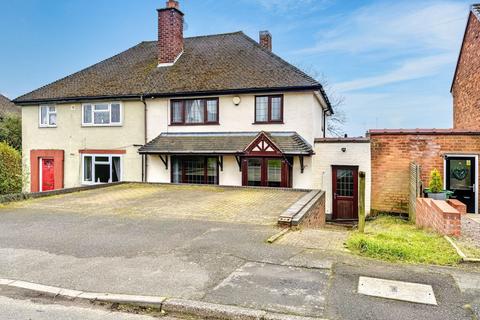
228	143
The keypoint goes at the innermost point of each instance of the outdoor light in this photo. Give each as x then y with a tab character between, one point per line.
344	149
237	100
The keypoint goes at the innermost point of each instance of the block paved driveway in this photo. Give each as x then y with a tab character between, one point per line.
209	244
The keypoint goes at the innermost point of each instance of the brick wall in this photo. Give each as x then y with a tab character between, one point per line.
466	87
392	152
440	216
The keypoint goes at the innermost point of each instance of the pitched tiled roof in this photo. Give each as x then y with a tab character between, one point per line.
6	106
223	143
219	63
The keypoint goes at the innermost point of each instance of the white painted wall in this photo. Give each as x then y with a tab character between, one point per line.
302	113
329	154
70	136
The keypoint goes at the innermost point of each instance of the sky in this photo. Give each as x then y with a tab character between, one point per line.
391	63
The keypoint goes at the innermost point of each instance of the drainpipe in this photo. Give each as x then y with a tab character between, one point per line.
324	123
145	156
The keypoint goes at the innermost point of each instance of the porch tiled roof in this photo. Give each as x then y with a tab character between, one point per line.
290	143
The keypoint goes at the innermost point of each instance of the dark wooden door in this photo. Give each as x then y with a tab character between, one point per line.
48	175
461	180
345	192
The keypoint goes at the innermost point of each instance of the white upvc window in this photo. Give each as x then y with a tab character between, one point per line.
102	114
101	168
47	116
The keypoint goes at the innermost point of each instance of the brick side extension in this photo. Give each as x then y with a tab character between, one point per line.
392	154
170	33
440	216
466	84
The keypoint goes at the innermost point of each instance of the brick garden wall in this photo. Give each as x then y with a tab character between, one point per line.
466	87
393	151
445	217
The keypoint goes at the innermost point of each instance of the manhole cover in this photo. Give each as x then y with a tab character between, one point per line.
397	290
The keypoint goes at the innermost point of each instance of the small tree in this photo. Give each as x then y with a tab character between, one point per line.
11	131
10	169
436	184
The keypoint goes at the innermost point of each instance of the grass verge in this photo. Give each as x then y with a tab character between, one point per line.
396	240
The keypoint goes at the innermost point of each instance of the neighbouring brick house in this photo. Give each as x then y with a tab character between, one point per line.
7	107
454	152
466	82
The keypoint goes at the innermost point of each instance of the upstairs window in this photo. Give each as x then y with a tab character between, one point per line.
194	111
269	109
48	116
102	114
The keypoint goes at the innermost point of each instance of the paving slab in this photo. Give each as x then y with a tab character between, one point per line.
397	290
275	288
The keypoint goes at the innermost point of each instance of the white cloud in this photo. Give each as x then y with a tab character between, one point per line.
409	70
406	25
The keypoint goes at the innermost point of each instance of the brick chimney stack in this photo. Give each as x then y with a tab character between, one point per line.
170	33
266	40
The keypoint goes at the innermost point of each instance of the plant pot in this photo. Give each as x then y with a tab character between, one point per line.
437	195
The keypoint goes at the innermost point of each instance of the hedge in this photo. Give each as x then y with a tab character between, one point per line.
10	169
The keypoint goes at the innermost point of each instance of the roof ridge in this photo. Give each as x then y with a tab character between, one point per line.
272	54
475	8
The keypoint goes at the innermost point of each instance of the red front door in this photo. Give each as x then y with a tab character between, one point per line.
48	174
345	193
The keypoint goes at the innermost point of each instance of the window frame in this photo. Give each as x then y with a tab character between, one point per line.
109	104
205	112
47	125
269	109
110	163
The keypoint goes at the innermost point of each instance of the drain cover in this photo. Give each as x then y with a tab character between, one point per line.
397	290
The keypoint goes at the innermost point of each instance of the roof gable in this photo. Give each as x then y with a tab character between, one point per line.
473	16
230	62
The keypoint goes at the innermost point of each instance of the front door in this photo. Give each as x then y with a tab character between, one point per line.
345	193
48	174
461	180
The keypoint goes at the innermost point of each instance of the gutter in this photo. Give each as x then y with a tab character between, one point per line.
134	97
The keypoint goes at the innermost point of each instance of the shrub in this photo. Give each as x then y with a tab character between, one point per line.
10	169
436	184
11	131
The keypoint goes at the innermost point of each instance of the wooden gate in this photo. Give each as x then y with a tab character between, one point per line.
415	189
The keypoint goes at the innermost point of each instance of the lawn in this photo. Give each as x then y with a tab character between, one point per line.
396	240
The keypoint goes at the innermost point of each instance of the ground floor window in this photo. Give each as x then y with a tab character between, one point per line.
101	168
195	170
266	172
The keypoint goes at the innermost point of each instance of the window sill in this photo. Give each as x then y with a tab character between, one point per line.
47	127
270	122
101	125
193	124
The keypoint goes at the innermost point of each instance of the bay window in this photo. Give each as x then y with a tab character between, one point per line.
102	114
194	111
269	109
101	169
48	116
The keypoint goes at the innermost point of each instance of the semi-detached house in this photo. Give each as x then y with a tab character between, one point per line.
219	109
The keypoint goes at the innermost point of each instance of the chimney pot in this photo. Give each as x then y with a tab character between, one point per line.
173	4
266	40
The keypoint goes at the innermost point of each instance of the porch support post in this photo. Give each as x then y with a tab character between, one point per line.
239	161
302	166
164	160
220	162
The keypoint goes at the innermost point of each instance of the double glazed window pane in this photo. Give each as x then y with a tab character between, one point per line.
44	115
87	169
177	113
194	111
212	111
115	113
254	172
276	109
261	111
274	173
87	114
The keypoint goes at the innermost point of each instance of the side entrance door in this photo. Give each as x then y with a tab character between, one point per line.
48	174
345	192
460	179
